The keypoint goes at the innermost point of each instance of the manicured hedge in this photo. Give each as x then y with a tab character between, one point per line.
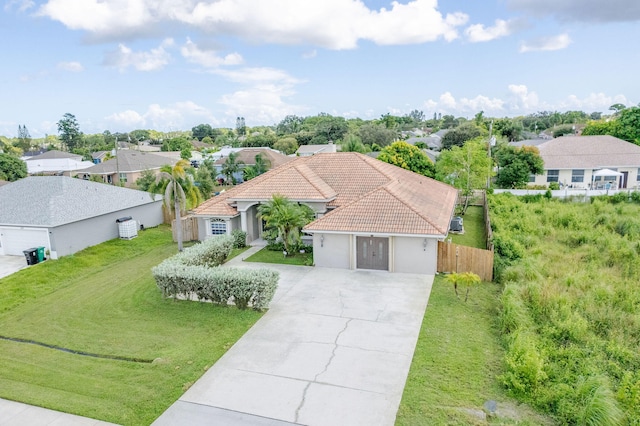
196	272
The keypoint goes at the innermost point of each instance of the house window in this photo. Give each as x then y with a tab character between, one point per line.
553	175
122	177
532	178
638	175
577	176
218	227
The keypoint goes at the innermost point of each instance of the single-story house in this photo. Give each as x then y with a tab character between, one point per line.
247	156
56	163
572	161
307	150
66	215
127	167
369	214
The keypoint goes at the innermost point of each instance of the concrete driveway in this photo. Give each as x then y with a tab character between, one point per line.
11	264
334	349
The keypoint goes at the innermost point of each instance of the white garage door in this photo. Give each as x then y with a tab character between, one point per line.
14	240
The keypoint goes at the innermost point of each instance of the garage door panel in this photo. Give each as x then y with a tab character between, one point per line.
15	240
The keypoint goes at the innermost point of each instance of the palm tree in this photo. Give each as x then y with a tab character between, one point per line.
261	165
179	188
285	216
231	166
352	143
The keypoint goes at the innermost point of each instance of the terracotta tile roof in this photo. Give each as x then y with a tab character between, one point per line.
589	152
367	194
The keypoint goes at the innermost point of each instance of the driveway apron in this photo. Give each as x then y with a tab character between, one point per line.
334	349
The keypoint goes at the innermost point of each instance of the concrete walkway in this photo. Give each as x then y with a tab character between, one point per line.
18	414
11	264
334	349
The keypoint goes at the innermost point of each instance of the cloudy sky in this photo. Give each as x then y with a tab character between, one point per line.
121	65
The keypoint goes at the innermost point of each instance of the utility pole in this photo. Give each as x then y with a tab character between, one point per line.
489	154
117	163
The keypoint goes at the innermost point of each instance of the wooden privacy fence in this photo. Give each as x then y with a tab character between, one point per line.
456	258
189	229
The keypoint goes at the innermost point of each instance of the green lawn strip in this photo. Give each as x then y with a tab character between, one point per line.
269	256
457	359
237	252
112	309
474	235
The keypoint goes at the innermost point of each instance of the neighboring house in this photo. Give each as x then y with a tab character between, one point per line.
56	163
308	150
247	156
369	214
528	142
127	167
101	156
431	142
572	160
66	215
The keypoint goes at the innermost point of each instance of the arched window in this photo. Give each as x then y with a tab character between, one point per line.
218	227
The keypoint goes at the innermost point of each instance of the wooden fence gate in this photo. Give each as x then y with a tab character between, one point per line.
457	258
189	229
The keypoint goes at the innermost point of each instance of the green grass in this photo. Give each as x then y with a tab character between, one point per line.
474	235
104	300
457	359
237	252
269	256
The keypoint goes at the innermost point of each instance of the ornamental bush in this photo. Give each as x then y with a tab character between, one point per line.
196	272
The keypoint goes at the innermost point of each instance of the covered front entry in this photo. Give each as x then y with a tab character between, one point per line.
372	253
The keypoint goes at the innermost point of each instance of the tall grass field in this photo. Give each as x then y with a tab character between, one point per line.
570	306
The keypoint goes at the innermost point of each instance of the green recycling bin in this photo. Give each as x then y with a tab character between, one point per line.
40	254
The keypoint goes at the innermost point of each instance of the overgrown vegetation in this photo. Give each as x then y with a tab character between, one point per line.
103	300
570	314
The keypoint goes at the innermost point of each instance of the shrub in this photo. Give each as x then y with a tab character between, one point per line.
196	272
554	186
239	238
525	365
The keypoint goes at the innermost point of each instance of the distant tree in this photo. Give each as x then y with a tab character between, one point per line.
289	125
389	121
24	139
69	131
377	134
139	135
515	165
629	124
231	166
331	128
201	131
563	130
352	143
460	135
207	140
617	107
595	115
466	168
146	180
185	153
600	128
511	129
12	168
448	122
241	127
420	145
176	144
203	179
417	116
260	140
408	157
288	145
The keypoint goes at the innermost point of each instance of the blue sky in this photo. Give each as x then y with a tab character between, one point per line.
121	65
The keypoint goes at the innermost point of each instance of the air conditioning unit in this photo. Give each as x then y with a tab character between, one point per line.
127	228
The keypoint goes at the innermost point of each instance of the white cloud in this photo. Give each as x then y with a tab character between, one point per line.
593	102
332	24
479	33
448	104
208	58
153	60
258	75
310	54
71	66
559	42
522	98
264	104
179	115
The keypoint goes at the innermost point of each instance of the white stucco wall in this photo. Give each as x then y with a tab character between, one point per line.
410	256
70	238
332	252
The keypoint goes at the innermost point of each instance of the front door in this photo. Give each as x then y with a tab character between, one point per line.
372	253
625	177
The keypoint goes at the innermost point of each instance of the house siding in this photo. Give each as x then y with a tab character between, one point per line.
411	256
70	238
332	252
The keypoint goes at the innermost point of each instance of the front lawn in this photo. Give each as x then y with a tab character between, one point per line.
104	301
270	256
456	363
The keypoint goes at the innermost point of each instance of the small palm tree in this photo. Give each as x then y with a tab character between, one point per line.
231	166
285	216
261	165
467	279
353	143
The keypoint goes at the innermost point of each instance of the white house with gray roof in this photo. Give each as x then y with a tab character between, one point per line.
572	161
66	215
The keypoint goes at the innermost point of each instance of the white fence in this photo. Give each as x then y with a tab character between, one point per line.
566	192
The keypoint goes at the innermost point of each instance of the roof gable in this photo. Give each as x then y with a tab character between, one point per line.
589	152
55	154
128	161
